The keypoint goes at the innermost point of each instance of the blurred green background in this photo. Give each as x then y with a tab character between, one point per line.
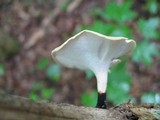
29	30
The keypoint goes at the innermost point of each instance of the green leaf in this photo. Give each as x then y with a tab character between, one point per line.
47	93
149	28
2	71
33	96
152	6
144	52
119	84
54	72
117	94
119	74
110	29
119	13
150	97
89	98
89	74
64	5
42	63
38	86
124	31
98	26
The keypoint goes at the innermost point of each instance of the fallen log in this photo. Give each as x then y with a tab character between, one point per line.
19	108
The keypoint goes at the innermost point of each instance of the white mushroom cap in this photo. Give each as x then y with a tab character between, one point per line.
94	51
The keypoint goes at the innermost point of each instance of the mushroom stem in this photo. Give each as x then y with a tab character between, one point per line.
101	72
102	79
101	102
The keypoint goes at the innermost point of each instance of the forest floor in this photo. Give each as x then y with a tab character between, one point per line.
40	27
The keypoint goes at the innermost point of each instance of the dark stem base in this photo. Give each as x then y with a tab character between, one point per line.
101	103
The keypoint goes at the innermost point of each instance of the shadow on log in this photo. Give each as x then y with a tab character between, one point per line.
19	108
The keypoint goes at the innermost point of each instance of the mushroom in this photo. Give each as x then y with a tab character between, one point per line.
96	52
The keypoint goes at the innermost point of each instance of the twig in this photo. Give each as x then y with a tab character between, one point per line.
73	5
41	31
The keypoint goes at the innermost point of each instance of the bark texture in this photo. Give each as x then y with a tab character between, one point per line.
19	108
